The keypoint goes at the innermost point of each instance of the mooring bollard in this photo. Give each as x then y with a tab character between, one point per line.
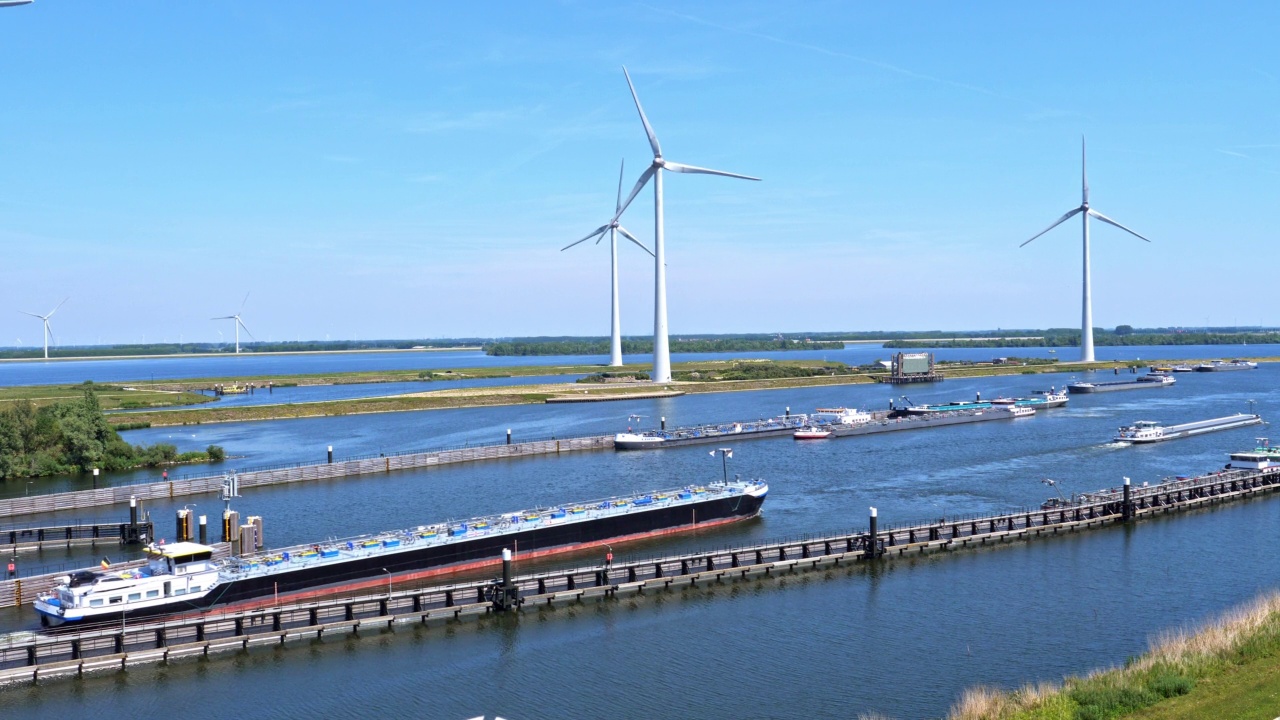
508	436
506	595
1126	510
872	544
664	423
330	454
788	412
133	511
204	530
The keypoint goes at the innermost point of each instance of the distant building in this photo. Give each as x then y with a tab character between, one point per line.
913	368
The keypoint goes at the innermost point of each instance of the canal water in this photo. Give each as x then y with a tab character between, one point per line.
45	372
904	638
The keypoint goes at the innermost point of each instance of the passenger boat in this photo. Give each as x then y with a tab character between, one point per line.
812	433
1182	368
184	576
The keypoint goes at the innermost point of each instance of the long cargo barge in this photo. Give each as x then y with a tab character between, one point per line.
865	424
183	576
1152	380
1150	431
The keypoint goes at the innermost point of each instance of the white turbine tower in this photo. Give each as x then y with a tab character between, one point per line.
613	227
1086	322
661	347
238	322
48	333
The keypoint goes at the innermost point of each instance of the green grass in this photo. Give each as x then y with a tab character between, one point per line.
1229	668
111	396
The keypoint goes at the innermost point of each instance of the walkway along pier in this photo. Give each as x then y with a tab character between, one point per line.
55	502
28	657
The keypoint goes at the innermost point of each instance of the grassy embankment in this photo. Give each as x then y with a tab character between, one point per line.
110	396
711	378
1229	668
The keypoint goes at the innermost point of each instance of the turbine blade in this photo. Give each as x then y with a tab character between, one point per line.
1084	176
644	178
1055	224
633	239
224	317
24	312
245	328
49	329
1109	221
621	166
242	302
695	170
598	231
648	129
64	302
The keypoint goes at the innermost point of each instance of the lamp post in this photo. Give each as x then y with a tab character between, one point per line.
388	572
725	454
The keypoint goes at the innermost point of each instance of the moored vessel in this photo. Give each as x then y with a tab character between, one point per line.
812	433
183	576
1224	365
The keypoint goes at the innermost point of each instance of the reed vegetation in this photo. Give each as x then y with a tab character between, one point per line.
1212	671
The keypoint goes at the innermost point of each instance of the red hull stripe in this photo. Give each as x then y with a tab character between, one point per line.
376	582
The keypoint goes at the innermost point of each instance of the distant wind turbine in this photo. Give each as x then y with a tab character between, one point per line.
48	332
613	227
239	323
1086	322
661	345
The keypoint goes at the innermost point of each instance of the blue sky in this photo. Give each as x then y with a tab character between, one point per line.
407	169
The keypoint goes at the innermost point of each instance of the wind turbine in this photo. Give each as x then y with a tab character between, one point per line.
1086	322
239	323
661	346
613	227
48	333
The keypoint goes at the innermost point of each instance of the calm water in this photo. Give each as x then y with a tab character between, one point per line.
39	372
903	639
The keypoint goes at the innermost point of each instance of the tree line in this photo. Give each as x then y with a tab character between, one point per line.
74	436
639	347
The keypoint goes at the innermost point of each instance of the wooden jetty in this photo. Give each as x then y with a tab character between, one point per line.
37	538
30	657
56	502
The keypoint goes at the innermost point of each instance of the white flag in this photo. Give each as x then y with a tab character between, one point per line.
713	453
730	453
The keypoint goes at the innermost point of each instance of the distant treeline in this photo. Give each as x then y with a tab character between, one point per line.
1105	338
74	437
261	347
762	371
637	347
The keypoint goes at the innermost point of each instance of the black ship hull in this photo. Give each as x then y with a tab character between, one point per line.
484	550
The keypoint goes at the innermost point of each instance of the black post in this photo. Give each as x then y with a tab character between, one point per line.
1126	511
506	597
872	544
664	423
204	530
330	454
788	412
508	436
133	513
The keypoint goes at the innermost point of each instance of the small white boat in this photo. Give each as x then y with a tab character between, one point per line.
635	441
812	433
1020	410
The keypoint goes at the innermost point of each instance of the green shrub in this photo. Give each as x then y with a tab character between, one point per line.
216	453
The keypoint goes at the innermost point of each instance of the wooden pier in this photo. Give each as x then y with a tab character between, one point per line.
29	657
38	538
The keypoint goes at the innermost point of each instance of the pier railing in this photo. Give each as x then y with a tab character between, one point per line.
175	487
